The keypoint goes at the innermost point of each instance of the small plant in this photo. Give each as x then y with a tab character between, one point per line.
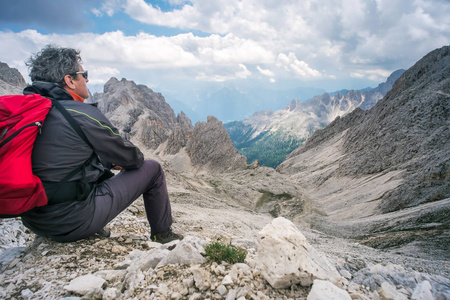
218	252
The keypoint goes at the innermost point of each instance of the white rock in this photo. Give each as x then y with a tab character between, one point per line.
195	296
201	278
346	274
422	291
322	289
227	280
222	290
389	292
27	294
184	254
152	259
285	257
111	275
231	295
84	284
163	290
111	294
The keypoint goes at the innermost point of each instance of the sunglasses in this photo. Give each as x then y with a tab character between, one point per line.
84	73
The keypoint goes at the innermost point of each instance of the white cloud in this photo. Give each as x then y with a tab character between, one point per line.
356	75
330	32
292	39
292	64
377	75
265	72
96	12
241	73
101	74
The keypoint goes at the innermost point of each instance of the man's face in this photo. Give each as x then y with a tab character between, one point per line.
80	84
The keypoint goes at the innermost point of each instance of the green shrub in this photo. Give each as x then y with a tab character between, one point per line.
218	252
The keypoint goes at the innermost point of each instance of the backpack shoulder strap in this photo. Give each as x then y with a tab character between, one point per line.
71	121
81	167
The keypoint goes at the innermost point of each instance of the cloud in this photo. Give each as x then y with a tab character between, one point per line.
299	68
241	73
374	31
223	40
265	72
110	53
377	75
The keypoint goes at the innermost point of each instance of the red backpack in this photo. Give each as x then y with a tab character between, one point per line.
21	118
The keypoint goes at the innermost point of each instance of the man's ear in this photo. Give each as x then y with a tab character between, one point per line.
68	80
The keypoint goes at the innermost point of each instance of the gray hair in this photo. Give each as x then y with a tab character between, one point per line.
53	63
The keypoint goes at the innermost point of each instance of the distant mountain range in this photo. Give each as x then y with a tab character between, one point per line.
269	136
232	103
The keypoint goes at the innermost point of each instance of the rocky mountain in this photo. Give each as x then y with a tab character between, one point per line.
383	175
270	136
145	117
11	81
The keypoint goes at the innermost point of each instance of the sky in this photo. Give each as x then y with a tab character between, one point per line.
178	47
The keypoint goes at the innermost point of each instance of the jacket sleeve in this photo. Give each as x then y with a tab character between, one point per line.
109	145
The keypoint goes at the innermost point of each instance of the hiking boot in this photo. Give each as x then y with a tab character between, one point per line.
104	232
165	236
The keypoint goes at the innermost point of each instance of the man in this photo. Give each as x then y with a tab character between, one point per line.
91	198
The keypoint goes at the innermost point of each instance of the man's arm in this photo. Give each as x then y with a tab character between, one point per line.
105	138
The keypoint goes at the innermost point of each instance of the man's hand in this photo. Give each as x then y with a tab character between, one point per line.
116	167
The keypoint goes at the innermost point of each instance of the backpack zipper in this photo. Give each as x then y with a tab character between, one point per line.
38	124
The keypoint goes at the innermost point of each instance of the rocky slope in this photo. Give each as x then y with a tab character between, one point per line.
383	174
290	127
11	81
145	116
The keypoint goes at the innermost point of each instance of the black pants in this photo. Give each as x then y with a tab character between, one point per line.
71	221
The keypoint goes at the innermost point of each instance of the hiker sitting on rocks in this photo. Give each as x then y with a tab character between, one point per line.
93	197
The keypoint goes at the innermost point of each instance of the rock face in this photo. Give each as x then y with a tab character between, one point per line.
203	151
11	81
290	127
138	111
145	117
386	169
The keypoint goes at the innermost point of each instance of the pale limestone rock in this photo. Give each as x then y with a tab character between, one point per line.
27	294
196	296
132	279
201	278
184	254
285	257
322	289
227	280
231	295
111	275
346	274
222	290
389	292
422	291
84	284
153	259
111	294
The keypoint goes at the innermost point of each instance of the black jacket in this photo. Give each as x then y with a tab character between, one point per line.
59	149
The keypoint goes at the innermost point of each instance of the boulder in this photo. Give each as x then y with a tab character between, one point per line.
285	257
